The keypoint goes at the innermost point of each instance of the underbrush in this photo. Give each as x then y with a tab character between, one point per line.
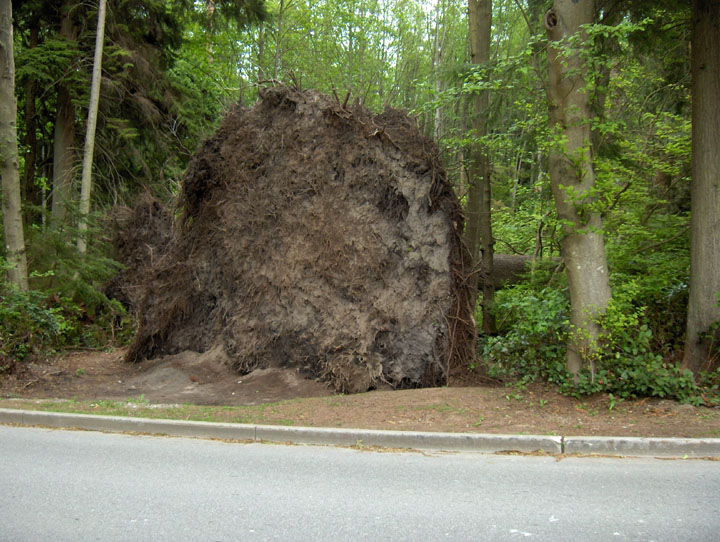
64	308
533	329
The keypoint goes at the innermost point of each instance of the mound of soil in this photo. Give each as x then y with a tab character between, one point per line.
320	238
184	378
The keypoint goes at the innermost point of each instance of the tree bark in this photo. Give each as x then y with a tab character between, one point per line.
64	137
278	39
479	236
260	52
210	7
31	194
572	179
86	186
701	341
439	35
11	204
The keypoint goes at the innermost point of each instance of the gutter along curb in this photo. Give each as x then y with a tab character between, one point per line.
460	442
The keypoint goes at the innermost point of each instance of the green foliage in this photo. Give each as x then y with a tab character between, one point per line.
47	63
65	306
59	269
382	50
35	323
639	96
39	322
534	326
528	224
29	324
627	367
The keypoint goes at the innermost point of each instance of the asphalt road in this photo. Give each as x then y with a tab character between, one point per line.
78	486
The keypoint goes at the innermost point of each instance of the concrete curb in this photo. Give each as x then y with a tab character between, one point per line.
465	442
656	447
461	442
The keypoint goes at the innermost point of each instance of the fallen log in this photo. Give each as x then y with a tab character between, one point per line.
509	269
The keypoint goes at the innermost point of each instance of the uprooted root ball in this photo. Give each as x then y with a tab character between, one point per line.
319	237
140	235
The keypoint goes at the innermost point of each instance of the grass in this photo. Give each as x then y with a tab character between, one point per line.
140	407
441	408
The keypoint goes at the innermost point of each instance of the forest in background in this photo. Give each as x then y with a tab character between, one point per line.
171	68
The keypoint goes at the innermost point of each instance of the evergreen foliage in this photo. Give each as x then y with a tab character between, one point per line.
62	310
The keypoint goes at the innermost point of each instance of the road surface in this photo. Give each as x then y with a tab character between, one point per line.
78	486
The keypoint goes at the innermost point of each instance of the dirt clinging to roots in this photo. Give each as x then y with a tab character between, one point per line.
317	237
140	236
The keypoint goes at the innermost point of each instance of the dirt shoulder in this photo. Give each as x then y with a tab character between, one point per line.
194	386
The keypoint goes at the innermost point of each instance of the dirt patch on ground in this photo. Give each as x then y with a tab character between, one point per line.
319	238
204	380
188	377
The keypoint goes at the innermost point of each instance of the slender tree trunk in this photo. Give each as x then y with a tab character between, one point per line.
11	205
86	185
260	51
63	155
479	221
31	194
703	308
64	138
210	6
572	179
278	39
437	57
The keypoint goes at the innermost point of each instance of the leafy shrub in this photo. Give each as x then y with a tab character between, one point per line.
627	367
65	308
534	326
28	324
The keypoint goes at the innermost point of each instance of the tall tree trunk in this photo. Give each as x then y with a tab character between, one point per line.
278	39
209	35
31	194
64	138
703	309
86	185
437	58
572	179
479	236
11	205
260	52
